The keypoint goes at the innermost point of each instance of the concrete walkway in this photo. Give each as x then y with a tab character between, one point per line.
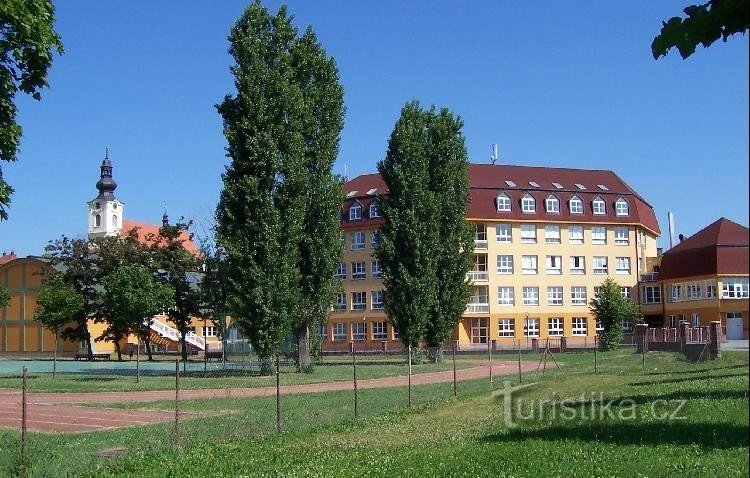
736	345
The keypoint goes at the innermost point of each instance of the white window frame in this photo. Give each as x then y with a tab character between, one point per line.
355	211
359	330
526	233
359	270
380	330
555	326
651	294
376	272
374	238
580	326
735	288
575	235
374	211
555	295
340	271
552	234
323	332
359	300
506	328
578	295
598	206
622	236
358	240
504	233
479	330
622	208
209	331
339	331
552	204
528	204
577	265
672	321
600	265
598	235
506	296
553	265
575	205
504	264
531	327
622	265
625	292
376	298
529	265
503	203
530	295
340	303
695	320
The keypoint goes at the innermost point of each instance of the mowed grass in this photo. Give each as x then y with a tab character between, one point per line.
443	436
196	378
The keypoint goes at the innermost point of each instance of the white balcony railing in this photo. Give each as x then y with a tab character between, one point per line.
650	277
480	244
477	308
477	276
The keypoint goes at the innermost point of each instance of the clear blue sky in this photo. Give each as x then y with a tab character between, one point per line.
553	83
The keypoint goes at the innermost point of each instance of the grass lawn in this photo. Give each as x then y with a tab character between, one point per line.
443	436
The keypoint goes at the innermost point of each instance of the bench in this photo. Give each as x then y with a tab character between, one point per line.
214	355
93	356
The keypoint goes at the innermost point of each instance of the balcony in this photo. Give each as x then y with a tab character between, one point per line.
477	308
480	244
478	276
650	277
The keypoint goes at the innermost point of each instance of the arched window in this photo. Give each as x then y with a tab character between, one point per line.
98	220
114	220
621	207
528	203
355	212
553	204
576	205
375	208
503	203
599	206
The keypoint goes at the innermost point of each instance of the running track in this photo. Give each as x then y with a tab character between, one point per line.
66	412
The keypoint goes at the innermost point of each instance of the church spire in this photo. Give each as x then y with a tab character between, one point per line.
106	185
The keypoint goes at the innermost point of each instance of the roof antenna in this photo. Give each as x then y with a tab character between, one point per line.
493	155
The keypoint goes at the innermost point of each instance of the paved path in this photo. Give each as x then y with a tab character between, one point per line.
64	412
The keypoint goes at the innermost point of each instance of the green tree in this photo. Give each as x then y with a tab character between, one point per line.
408	240
27	45
453	250
214	287
705	23
131	296
176	267
261	209
4	297
321	122
610	308
58	304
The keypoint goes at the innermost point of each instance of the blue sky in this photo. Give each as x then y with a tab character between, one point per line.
553	83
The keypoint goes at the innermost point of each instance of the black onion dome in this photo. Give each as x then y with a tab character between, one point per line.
106	185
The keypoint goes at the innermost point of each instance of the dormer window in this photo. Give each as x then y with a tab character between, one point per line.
355	212
375	208
528	204
553	204
503	203
576	205
599	206
621	207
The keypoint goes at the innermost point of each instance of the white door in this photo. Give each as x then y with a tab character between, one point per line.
734	326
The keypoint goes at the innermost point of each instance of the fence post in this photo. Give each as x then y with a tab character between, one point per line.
596	346
409	352
54	358
354	377
137	359
177	403
489	359
24	387
519	362
455	382
714	337
278	396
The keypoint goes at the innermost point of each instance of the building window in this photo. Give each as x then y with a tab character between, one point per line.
479	331
375	208
555	326
358	240
377	300
504	264
506	328
379	331
374	238
554	265
339	331
479	302
694	290
599	207
621	207
503	203
576	205
359	330
599	327
625	292
528	204
552	234
358	271
598	235
340	271
575	235
114	220
505	296
359	300
672	321
531	327
528	265
710	289
340	304
621	236
323	332
503	233
553	205
622	265
578	295
480	236
580	326
375	271
98	220
695	320
554	295
651	294
577	265
209	331
531	296
479	272
627	326
735	288
396	333
355	212
675	293
528	233
600	265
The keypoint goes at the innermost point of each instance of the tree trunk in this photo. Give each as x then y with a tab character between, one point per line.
119	352
147	341
183	343
435	354
304	362
87	338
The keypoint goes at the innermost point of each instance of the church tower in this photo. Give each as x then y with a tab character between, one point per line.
105	212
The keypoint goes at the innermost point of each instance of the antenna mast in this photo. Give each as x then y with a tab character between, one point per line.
493	154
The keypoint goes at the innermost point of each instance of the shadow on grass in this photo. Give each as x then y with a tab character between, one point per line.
701	370
646	399
688	379
705	435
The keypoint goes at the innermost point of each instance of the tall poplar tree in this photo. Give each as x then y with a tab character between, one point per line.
449	183
408	241
260	210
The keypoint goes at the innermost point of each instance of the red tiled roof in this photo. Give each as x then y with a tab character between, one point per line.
719	248
488	181
7	257
145	230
